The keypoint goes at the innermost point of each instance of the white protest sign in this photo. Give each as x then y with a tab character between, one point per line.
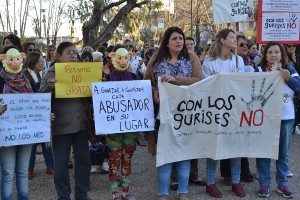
232	11
223	116
27	119
123	106
278	21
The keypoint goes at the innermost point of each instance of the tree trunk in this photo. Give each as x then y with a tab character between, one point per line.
91	27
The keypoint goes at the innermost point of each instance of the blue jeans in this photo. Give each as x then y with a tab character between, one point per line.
15	160
61	151
282	164
211	165
47	153
164	174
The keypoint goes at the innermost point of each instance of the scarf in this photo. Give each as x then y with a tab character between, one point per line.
120	76
253	55
35	75
18	84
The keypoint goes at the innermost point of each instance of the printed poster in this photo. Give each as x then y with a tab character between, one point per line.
278	20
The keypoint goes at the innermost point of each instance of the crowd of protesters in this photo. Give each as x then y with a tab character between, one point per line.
192	64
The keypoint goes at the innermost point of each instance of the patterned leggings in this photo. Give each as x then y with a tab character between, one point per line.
121	147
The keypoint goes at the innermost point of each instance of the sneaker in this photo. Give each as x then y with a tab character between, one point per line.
238	190
105	166
50	171
290	174
213	191
30	175
297	130
93	168
264	191
284	190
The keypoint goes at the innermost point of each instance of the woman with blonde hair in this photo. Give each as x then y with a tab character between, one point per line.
221	59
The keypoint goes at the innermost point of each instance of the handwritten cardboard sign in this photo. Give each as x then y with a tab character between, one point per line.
233	11
278	21
223	116
74	79
123	106
26	120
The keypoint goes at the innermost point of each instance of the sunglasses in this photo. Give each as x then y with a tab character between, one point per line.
242	44
31	49
290	46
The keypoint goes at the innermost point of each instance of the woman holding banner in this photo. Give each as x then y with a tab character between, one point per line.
221	59
68	129
225	169
174	65
14	160
34	72
274	60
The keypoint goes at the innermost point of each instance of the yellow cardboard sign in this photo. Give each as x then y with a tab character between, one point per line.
74	80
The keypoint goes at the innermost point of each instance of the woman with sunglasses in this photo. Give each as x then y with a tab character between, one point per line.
291	56
220	58
28	47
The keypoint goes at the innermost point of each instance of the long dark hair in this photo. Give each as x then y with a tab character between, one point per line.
264	62
15	40
163	51
31	60
51	46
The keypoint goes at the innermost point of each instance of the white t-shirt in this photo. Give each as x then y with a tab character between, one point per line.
211	67
134	61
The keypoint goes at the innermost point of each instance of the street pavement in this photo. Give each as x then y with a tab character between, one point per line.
144	181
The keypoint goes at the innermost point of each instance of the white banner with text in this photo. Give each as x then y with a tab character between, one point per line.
223	116
123	106
232	11
26	120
